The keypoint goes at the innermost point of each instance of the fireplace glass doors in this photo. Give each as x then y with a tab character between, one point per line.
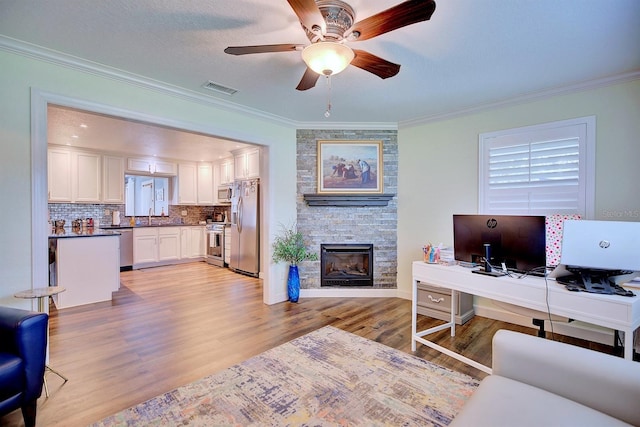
346	265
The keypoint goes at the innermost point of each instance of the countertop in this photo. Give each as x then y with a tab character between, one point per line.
61	233
120	227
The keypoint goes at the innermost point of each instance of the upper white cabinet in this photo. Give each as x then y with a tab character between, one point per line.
166	168
205	184
247	164
78	176
145	165
226	171
86	182
112	179
187	184
195	184
59	175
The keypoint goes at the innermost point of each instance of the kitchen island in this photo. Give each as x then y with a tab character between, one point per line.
87	263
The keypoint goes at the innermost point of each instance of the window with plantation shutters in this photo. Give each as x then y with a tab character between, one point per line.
538	170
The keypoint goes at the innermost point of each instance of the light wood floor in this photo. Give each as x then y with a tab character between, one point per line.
169	326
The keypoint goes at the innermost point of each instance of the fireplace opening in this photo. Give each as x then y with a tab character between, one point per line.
346	265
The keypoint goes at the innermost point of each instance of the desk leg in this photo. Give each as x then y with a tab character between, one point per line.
628	344
414	314
454	304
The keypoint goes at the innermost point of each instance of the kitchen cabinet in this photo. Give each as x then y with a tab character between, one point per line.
78	176
226	171
247	164
168	243
205	184
227	244
152	166
165	168
59	175
155	246
198	241
145	245
87	178
113	179
185	242
88	268
187	184
195	184
192	240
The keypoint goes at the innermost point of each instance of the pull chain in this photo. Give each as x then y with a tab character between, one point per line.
328	112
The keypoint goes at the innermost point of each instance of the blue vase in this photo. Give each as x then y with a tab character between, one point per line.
293	284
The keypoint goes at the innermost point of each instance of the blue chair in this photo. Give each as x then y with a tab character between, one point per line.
23	346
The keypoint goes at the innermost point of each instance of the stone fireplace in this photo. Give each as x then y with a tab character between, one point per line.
346	225
346	265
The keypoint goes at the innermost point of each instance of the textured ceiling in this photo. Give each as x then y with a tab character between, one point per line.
470	54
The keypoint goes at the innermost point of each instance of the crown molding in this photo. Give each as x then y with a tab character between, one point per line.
347	125
69	61
534	96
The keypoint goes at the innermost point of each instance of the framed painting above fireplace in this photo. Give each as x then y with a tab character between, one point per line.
349	167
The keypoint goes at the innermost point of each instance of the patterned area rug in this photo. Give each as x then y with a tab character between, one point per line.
327	377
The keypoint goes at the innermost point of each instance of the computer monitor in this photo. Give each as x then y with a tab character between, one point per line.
518	241
598	256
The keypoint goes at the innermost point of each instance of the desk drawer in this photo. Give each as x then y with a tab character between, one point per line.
436	302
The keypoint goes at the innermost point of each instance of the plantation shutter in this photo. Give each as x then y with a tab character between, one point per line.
538	170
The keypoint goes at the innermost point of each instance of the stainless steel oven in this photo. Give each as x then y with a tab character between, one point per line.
215	244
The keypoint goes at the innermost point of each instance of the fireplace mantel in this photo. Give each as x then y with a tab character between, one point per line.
314	199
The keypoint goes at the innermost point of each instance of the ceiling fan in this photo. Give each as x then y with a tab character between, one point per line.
329	24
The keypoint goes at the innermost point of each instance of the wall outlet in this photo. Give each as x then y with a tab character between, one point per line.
107	212
184	212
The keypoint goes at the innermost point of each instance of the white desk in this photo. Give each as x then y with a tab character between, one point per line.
610	311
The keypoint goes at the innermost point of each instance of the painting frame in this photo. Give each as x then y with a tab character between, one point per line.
342	167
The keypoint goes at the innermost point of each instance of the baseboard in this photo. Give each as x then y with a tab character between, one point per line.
574	329
349	293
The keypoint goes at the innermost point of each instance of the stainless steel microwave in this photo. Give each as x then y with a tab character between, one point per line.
225	193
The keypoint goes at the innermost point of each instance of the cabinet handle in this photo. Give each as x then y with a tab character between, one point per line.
436	300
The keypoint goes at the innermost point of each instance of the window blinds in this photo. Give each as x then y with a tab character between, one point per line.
534	171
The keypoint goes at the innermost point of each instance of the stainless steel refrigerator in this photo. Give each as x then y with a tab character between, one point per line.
245	227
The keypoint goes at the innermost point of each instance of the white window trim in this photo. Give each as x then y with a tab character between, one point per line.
589	162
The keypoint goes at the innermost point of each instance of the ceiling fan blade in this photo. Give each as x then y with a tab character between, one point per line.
309	15
309	80
265	48
374	64
399	16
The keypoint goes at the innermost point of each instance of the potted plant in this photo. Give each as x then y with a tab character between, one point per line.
289	246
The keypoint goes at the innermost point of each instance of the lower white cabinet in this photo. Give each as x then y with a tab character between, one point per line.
153	246
88	268
192	241
145	245
198	241
168	243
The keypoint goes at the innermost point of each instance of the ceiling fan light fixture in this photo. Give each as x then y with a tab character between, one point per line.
327	58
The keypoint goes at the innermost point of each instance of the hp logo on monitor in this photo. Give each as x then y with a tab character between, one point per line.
492	223
604	244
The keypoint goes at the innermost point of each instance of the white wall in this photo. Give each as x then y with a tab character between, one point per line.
438	164
437	161
21	77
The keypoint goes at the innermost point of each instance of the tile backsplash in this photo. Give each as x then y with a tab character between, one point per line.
102	213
